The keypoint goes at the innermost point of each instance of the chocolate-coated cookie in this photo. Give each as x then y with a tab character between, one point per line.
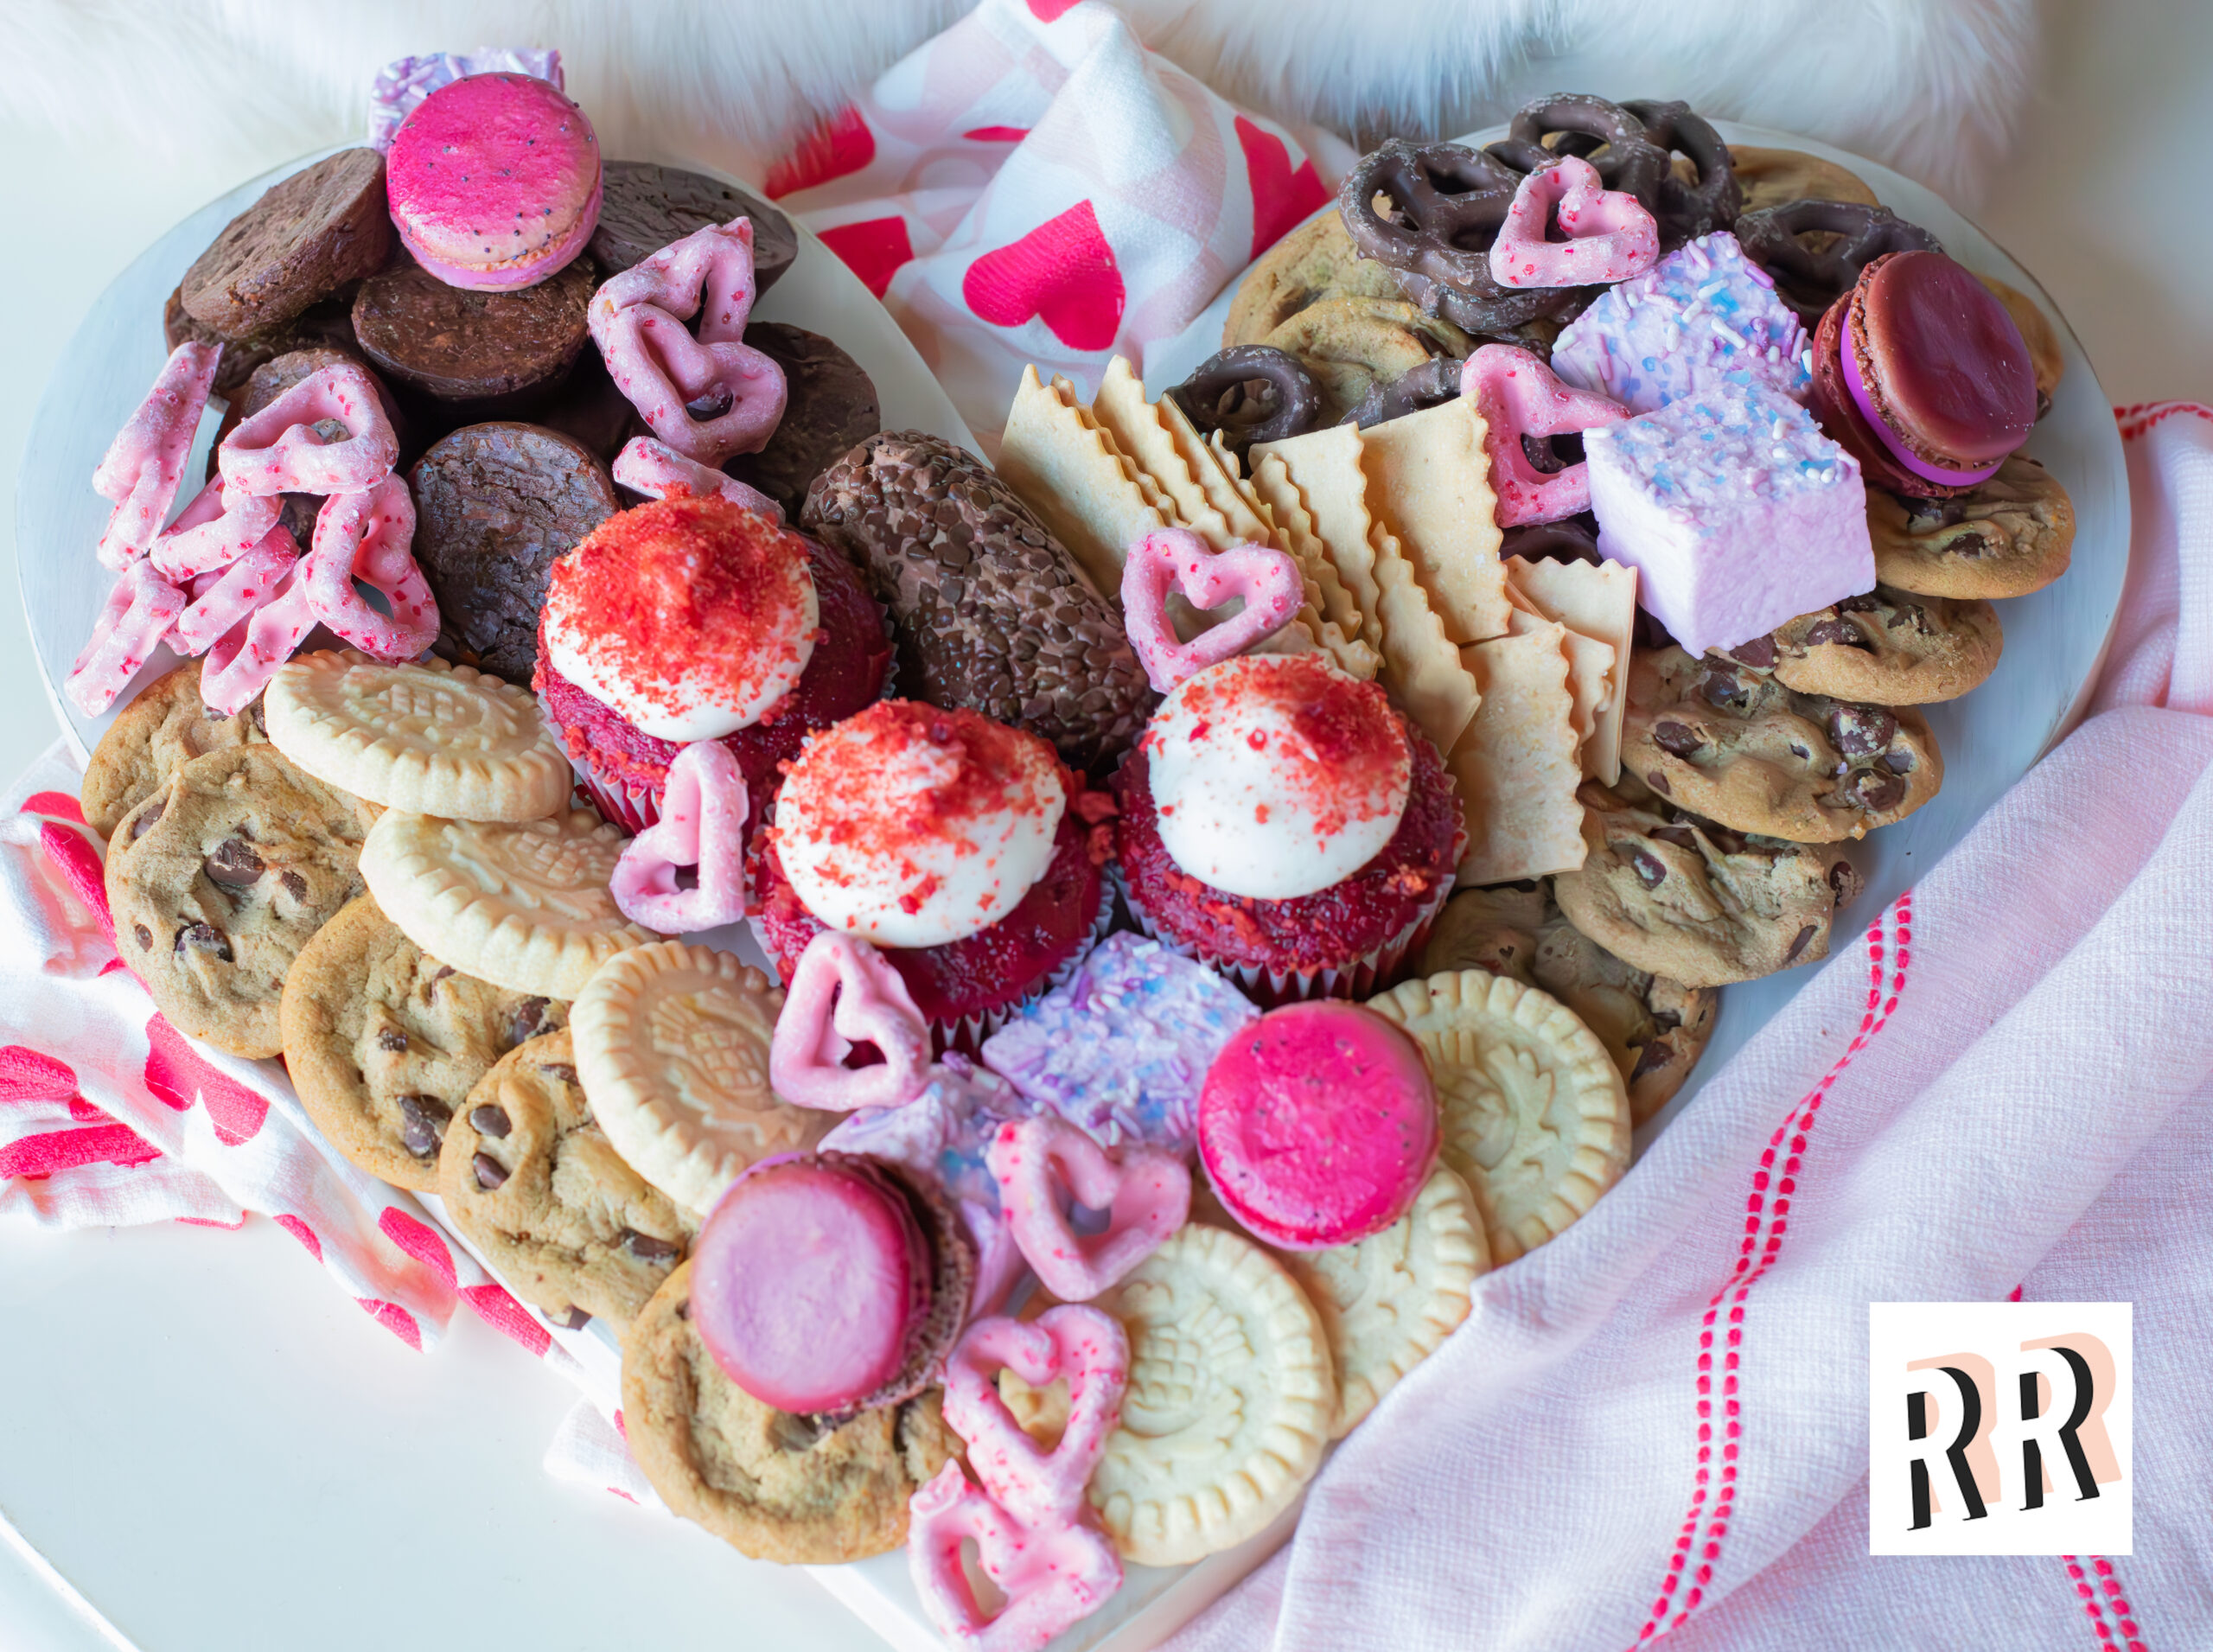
477	349
532	1181
384	1042
218	880
1742	749
496	505
328	321
1886	647
644	208
830	408
301	241
990	611
152	738
2006	537
590	409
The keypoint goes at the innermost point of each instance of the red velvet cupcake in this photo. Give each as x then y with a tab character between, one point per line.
1282	823
955	845
690	619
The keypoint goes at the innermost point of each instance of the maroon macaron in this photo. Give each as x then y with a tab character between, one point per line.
1920	375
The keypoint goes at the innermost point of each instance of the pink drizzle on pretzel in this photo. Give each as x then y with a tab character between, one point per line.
707	396
1052	1576
657	470
364	536
216	529
1268	581
140	609
144	463
1087	1347
246	656
1146	1194
278	450
1518	396
701	829
235	593
872	1005
1610	236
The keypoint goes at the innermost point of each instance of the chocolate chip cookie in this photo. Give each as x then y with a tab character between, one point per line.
1771	177
530	1179
644	208
1351	344
1694	901
496	505
1745	751
152	738
1315	261
303	239
830	408
384	1042
1655	1027
489	354
219	879
1886	647
2012	535
772	1485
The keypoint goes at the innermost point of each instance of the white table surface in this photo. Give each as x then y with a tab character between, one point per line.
213	1447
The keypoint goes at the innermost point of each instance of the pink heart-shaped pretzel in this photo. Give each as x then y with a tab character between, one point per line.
1610	236
143	466
708	274
1146	1195
1092	1350
141	608
873	1005
702	828
1268	580
366	536
1518	396
657	470
278	450
235	593
246	656
217	528
1052	1575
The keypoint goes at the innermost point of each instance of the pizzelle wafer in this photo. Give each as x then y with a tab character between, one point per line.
1596	601
1516	765
1071	474
430	739
1429	481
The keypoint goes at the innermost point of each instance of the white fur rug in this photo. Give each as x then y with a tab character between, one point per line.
1935	87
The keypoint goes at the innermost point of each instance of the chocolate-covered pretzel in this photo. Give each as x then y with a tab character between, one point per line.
1611	137
1251	392
1687	211
1810	280
1572	538
1447	204
1435	381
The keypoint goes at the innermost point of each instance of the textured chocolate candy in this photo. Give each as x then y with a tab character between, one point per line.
990	611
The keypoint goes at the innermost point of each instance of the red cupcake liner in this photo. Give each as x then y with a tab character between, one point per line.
1356	977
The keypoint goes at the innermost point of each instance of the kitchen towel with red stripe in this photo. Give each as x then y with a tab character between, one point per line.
1656	1424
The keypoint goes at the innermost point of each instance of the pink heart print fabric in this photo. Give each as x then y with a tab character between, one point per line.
1033	185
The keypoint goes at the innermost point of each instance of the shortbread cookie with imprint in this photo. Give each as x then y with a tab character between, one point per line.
1743	749
532	1181
431	738
1231	1397
1535	1114
159	732
522	904
672	1042
1389	1301
1886	647
1655	1027
219	879
1315	261
2013	535
1693	900
771	1485
384	1042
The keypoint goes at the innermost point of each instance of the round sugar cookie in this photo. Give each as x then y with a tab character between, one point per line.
672	1045
1231	1396
523	905
1387	1301
431	738
1534	1112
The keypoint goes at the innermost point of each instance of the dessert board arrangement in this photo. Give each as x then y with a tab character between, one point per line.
1000	1008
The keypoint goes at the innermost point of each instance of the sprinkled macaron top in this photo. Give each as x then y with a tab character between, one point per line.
689	616
914	825
1939	369
495	174
1277	775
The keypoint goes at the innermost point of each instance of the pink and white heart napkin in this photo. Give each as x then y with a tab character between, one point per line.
1033	185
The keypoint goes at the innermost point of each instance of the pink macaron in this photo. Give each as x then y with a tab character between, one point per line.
495	182
1318	1125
